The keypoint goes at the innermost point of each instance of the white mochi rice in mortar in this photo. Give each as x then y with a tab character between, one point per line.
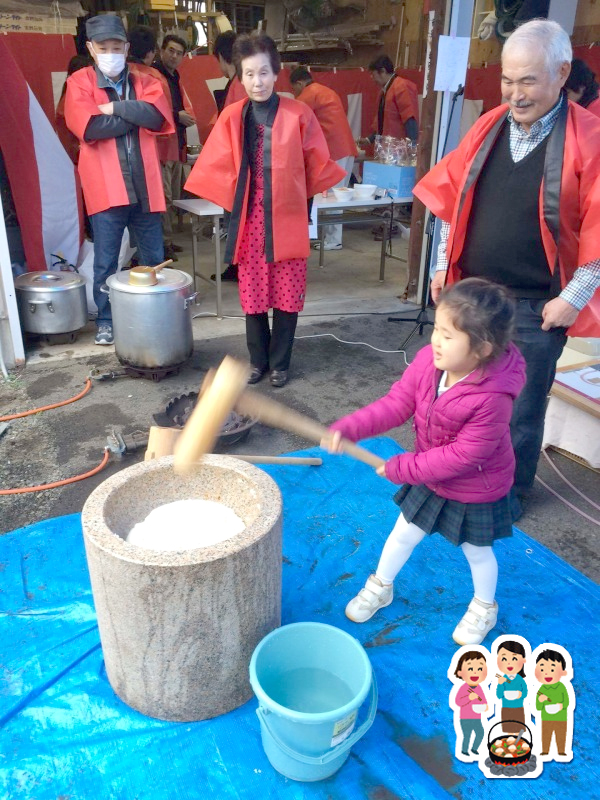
186	525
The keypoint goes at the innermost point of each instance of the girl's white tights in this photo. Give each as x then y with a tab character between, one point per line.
405	536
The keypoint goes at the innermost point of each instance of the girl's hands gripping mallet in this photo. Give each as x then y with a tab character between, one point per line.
334	443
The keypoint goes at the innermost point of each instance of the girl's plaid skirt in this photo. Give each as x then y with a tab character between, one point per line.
476	523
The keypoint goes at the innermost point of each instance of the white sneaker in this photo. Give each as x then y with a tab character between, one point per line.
374	596
476	623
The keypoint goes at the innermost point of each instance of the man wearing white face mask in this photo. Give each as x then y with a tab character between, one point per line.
117	115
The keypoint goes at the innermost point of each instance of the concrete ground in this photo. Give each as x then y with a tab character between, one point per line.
329	378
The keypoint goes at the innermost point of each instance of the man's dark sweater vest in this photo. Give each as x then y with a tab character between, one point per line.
504	241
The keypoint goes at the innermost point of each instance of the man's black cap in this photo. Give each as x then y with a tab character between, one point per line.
105	26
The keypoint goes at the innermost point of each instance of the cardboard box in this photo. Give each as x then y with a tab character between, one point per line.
398	181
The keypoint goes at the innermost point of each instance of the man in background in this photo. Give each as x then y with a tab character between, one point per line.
398	109
116	114
142	47
234	90
582	86
329	111
172	51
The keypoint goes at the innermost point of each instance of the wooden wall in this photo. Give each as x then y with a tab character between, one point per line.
587	23
409	42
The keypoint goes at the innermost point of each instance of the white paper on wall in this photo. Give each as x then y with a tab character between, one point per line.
452	60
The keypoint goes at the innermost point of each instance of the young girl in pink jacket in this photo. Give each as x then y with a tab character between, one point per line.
460	391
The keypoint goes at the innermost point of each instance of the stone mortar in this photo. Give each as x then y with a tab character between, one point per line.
178	629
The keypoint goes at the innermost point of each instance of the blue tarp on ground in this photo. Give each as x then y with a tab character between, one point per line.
64	733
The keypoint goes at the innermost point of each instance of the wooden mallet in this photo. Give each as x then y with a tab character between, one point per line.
225	390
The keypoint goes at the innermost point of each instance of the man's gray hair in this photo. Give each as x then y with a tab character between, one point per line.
542	35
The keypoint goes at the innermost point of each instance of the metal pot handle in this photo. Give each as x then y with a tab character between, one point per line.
189	300
104	289
517	722
34	303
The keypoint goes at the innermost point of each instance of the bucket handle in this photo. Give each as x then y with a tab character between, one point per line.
336	751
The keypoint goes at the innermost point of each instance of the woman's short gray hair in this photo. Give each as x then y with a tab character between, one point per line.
543	35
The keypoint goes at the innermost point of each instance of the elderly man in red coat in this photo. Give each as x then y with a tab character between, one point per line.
329	111
117	115
520	204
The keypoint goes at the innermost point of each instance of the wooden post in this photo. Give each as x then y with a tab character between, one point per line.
435	28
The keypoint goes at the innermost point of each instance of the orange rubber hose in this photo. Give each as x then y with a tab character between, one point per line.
54	485
88	386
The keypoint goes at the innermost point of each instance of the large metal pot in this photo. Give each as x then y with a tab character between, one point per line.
152	325
51	302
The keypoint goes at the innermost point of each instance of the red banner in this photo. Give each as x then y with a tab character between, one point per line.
38	55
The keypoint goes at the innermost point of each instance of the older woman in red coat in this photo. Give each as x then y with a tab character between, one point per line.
264	158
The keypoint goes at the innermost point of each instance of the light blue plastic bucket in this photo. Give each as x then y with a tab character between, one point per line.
310	680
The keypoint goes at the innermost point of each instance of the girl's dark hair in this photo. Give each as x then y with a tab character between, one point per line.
470	655
485	311
514	647
582	77
248	45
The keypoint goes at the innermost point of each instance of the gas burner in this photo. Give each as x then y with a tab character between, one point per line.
54	338
178	410
155	374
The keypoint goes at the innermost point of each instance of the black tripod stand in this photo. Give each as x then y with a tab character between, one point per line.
422	318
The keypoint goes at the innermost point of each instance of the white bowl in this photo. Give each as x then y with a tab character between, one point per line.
512	694
342	193
553	708
478	708
364	190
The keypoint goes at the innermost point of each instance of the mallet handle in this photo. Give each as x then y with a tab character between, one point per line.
276	415
299	461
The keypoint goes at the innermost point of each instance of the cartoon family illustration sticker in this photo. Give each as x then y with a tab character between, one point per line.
513	708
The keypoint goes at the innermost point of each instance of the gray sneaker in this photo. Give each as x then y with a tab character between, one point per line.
374	596
104	334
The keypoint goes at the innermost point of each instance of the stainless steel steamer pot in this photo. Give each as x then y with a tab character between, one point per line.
51	302
152	325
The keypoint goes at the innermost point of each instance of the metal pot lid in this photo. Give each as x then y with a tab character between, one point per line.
169	280
49	281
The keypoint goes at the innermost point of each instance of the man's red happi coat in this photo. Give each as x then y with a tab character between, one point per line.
401	104
235	92
332	118
448	189
99	167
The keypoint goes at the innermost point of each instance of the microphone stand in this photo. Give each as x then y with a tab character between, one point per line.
422	318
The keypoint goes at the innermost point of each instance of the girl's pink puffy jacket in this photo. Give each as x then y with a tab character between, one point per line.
463	449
